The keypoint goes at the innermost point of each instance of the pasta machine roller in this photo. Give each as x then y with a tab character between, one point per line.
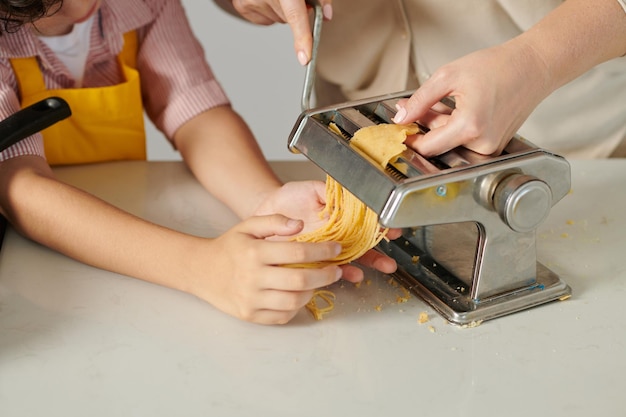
469	221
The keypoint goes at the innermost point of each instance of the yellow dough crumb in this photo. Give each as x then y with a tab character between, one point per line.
423	318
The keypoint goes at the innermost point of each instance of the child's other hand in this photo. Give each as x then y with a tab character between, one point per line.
305	200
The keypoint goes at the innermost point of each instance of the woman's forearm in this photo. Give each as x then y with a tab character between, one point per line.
575	37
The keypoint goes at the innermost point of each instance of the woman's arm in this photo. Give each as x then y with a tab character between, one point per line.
496	89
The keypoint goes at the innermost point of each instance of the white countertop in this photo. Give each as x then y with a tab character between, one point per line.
78	341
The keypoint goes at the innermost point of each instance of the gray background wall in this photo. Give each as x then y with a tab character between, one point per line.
258	69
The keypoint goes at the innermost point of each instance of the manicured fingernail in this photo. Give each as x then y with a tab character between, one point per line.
303	59
327	10
400	115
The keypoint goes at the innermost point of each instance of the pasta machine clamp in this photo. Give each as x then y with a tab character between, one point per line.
469	221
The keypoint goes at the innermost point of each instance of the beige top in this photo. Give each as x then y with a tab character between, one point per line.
393	45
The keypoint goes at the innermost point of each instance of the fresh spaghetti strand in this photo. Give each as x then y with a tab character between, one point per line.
328	297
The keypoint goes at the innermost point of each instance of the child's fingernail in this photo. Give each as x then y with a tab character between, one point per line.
303	59
400	115
294	222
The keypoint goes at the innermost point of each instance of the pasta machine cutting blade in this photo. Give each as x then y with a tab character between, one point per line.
469	221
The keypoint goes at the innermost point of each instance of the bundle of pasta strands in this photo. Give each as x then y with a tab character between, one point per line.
350	222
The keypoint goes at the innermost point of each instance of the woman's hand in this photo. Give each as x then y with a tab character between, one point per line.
293	12
494	89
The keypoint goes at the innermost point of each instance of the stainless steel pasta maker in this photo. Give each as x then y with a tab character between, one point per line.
469	221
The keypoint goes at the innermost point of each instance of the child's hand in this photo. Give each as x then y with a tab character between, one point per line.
305	200
240	272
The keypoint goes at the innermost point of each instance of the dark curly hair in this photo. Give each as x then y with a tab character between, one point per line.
16	13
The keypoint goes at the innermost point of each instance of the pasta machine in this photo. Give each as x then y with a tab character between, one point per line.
469	221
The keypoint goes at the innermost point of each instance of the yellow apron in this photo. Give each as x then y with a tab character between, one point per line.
107	122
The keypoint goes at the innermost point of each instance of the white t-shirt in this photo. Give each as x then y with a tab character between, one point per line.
72	48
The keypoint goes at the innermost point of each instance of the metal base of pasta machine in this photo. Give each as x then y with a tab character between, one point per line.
469	220
446	285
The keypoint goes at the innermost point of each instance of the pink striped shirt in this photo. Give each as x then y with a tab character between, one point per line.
177	83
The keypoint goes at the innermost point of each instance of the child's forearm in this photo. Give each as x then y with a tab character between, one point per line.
92	231
223	154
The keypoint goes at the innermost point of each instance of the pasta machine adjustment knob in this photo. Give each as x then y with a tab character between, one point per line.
522	201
